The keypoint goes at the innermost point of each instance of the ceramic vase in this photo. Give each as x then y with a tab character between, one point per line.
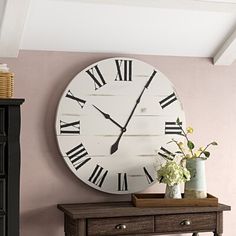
173	191
196	187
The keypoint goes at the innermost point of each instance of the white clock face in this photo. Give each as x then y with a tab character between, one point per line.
113	120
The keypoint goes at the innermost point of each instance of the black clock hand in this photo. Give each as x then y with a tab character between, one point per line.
114	147
107	116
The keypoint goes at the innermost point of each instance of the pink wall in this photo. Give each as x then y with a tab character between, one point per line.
208	94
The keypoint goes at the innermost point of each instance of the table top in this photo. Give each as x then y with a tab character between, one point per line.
117	209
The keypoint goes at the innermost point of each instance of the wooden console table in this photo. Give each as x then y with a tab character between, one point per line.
122	218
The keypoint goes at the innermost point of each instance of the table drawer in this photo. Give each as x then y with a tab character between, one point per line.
121	225
185	222
2	225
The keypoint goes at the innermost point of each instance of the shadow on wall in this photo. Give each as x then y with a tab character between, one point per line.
46	220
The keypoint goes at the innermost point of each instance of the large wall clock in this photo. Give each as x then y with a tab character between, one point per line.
113	120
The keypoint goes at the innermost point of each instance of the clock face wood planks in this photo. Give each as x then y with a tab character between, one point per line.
113	120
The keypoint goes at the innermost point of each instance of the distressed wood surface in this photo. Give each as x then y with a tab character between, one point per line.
118	209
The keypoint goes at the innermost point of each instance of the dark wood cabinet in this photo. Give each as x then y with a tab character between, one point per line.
122	218
9	166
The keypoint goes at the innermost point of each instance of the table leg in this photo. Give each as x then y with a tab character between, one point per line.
215	234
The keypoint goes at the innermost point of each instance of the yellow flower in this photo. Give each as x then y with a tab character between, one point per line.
197	153
189	130
201	149
188	156
180	144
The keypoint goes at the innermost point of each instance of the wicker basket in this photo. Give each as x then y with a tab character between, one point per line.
6	84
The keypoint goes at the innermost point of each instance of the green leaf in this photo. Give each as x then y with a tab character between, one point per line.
207	154
190	145
178	121
214	143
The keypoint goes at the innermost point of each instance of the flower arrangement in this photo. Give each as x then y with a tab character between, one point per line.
188	151
172	173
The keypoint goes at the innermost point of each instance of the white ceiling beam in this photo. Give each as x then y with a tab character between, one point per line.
226	54
12	26
201	5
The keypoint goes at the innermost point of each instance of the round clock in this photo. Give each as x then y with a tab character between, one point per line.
113	120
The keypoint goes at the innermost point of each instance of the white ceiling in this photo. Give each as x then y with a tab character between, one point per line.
199	28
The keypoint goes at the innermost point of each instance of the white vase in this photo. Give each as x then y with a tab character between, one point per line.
196	187
173	191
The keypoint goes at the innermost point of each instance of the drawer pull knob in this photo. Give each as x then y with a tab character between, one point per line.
120	226
186	222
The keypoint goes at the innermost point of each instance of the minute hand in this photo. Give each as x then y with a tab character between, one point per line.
114	147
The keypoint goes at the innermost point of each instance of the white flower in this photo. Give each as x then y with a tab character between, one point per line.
172	173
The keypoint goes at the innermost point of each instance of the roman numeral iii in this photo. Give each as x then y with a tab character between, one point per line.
70	128
168	100
124	70
122	182
173	128
98	176
80	101
77	156
97	77
166	154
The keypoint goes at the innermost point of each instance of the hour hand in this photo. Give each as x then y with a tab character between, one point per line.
108	117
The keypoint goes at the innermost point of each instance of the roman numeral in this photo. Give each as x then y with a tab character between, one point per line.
76	156
148	176
124	70
70	128
80	101
166	154
98	176
122	182
173	128
168	100
97	77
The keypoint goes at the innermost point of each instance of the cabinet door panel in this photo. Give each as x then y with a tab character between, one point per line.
2	226
2	195
2	158
2	121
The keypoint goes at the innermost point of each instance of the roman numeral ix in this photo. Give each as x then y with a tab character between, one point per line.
97	77
124	70
77	156
70	128
168	100
98	176
80	101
